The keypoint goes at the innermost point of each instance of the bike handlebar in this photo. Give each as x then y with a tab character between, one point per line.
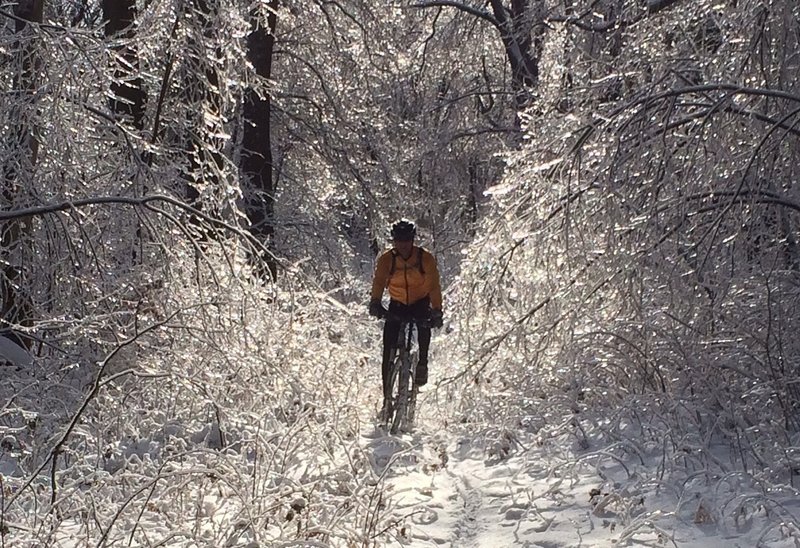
423	322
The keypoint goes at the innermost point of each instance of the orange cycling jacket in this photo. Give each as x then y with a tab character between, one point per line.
408	283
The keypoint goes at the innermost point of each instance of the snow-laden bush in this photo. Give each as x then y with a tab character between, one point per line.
220	412
635	285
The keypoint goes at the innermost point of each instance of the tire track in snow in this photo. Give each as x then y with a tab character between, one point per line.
467	526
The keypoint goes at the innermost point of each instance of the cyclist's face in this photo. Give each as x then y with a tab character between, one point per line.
404	247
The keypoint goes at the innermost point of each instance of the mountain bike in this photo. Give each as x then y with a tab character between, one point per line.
400	407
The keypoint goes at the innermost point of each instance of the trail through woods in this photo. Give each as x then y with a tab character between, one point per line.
446	489
448	486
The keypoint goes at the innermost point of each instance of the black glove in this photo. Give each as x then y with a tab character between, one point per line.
436	318
376	308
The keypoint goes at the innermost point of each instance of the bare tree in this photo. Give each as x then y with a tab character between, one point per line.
202	92
19	157
256	155
380	112
520	26
128	96
649	229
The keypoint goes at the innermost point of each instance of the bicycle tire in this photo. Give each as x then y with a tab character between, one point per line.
411	410
402	392
387	413
401	395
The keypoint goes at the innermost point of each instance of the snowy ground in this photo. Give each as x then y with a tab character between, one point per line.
447	483
448	489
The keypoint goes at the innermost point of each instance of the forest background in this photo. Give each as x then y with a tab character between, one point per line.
194	192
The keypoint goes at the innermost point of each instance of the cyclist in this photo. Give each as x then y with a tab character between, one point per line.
412	277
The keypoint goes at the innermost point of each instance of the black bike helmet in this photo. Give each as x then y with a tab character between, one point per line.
403	230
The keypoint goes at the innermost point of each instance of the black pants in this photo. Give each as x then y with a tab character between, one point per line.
420	310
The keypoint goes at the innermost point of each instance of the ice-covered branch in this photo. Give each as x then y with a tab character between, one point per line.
482	14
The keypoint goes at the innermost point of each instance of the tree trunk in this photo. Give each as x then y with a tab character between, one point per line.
16	308
128	96
127	90
256	158
205	160
516	32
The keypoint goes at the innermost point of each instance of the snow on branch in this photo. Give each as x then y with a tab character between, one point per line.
651	7
483	14
144	201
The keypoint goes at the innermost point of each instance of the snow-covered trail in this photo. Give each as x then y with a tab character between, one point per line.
444	491
448	484
448	489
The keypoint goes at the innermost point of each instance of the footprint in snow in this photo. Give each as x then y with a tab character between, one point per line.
426	516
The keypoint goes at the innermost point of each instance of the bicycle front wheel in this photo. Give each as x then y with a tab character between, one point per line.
390	393
403	393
